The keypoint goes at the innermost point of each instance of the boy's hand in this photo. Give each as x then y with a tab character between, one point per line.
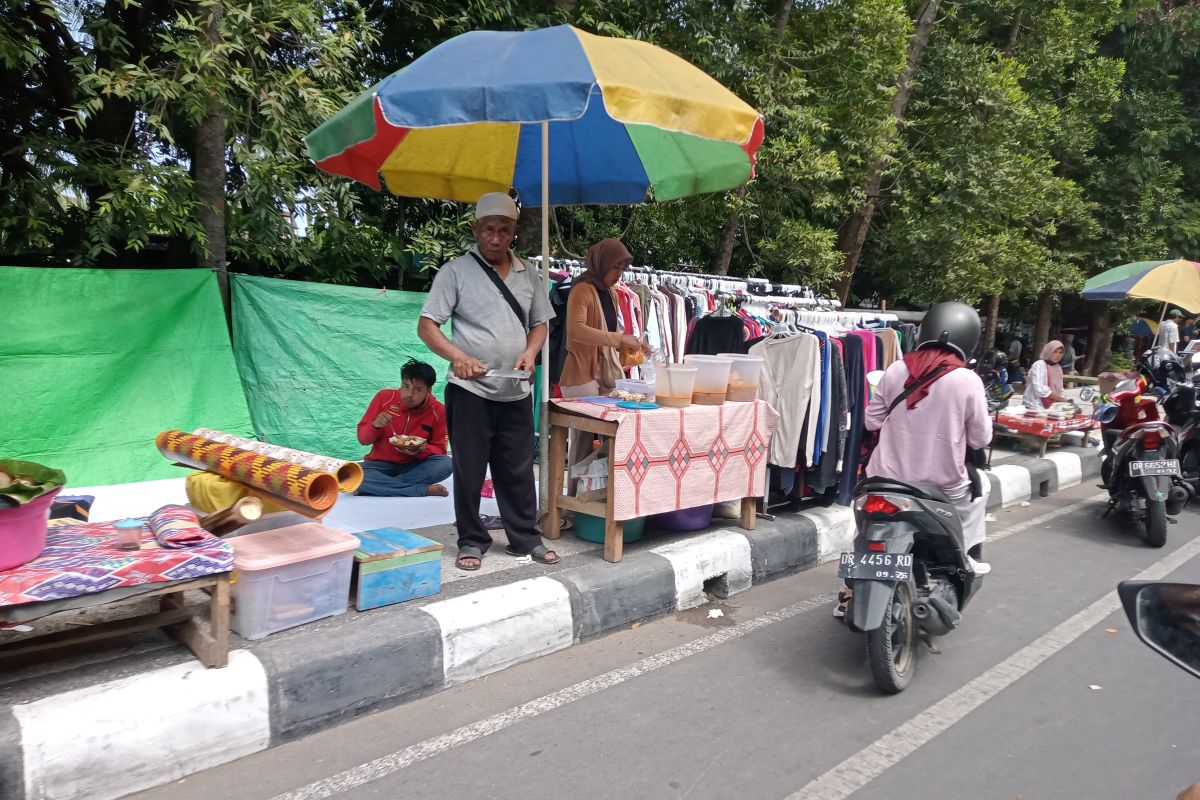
412	451
382	420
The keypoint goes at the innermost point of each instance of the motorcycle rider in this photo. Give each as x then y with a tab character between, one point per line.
927	437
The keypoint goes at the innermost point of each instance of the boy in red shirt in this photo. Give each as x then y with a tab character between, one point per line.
391	470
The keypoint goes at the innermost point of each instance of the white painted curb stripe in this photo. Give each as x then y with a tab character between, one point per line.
872	761
1015	483
120	737
835	530
1069	467
492	629
709	556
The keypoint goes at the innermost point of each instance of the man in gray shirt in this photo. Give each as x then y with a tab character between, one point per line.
490	419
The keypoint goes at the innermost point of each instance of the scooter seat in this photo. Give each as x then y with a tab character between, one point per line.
922	491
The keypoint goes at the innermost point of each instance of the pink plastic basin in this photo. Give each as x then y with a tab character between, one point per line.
23	531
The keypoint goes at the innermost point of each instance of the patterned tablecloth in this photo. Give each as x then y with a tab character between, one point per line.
84	559
673	458
1043	426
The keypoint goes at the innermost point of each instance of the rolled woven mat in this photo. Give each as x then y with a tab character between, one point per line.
349	473
289	484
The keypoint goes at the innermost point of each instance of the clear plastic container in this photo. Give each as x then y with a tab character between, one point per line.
712	379
290	576
637	387
743	377
675	385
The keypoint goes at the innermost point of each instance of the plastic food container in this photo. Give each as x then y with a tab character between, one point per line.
675	386
712	379
23	530
743	377
290	576
637	387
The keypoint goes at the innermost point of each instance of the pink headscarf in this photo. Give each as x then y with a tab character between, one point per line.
1054	372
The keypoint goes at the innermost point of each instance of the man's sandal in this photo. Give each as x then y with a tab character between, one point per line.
466	553
541	554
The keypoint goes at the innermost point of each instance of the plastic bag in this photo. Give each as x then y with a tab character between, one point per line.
591	473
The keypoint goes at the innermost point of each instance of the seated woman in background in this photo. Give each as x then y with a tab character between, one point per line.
1044	381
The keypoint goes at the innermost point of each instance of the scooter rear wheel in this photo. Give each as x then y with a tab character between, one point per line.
1156	523
892	647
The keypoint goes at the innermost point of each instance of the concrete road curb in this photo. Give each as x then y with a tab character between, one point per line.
182	719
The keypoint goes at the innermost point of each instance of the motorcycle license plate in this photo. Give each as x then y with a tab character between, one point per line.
876	566
1138	469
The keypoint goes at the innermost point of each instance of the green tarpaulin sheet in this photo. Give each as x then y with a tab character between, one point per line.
94	363
312	356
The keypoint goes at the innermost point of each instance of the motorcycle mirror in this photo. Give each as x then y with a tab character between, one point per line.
1166	617
874	377
1087	394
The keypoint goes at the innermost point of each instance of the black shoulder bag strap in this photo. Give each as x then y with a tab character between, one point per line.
494	277
928	378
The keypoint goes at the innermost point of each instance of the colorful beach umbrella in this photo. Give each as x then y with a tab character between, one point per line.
559	115
1176	281
628	121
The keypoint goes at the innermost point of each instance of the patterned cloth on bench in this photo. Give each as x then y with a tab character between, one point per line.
84	559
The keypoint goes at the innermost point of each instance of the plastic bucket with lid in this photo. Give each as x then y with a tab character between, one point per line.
23	530
712	378
675	385
743	377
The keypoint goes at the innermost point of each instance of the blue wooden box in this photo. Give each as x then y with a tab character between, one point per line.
393	565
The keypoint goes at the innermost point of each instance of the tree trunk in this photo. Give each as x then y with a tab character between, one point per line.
210	177
1041	328
854	233
987	339
1100	343
728	238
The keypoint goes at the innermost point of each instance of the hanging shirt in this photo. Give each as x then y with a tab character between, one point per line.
790	381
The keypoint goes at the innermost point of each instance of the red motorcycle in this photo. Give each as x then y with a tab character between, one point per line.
1141	464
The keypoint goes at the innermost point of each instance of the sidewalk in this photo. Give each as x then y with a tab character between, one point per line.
147	713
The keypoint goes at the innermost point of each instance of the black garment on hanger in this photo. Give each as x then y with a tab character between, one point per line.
714	335
856	378
824	476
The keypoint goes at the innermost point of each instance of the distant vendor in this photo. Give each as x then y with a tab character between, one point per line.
406	428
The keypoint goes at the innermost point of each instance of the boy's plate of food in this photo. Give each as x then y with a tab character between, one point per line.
404	440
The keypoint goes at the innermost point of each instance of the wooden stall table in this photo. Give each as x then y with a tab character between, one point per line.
662	460
81	567
211	646
1038	431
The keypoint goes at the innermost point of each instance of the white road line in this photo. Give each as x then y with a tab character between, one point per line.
1042	519
381	767
872	761
386	765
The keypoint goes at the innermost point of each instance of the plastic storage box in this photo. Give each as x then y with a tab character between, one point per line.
743	378
290	576
675	386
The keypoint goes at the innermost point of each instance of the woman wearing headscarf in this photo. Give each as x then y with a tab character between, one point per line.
594	337
1044	381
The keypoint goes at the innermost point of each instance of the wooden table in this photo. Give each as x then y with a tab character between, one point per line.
561	422
211	647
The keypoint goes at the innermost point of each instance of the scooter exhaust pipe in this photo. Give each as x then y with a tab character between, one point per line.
1178	498
936	616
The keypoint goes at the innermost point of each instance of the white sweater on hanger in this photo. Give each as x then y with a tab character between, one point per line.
791	383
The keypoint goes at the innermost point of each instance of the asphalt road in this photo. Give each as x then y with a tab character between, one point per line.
1044	692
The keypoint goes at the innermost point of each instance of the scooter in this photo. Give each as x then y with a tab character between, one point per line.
1141	467
909	573
1182	406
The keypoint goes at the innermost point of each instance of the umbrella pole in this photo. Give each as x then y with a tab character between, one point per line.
544	415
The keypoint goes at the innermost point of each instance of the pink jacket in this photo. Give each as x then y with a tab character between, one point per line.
928	443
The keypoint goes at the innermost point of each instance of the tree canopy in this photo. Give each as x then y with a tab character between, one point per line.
1006	148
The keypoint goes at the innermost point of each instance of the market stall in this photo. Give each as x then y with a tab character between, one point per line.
1038	430
662	460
